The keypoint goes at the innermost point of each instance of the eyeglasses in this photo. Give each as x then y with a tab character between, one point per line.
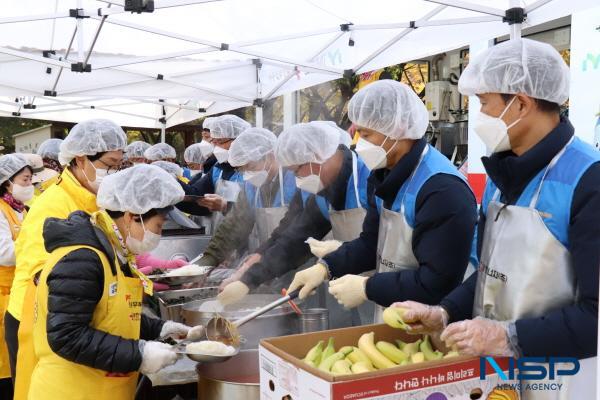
220	141
110	169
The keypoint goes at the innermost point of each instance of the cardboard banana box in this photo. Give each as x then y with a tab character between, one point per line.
285	376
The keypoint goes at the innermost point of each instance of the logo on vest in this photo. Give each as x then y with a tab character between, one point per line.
492	273
112	289
386	263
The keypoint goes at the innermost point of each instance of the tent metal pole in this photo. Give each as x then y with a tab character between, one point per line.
259	116
163	133
458	21
31	18
465	5
535	5
80	38
95	39
515	29
32	57
66	56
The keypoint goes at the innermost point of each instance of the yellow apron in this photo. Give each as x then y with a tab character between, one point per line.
7	274
26	358
118	312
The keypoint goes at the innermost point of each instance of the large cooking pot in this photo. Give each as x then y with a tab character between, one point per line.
280	321
236	379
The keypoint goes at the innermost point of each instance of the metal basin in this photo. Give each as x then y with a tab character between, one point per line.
181	246
280	321
170	302
236	379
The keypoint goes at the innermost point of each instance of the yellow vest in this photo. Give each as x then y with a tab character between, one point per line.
57	201
118	313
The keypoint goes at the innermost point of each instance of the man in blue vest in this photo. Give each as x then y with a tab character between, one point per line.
421	217
535	293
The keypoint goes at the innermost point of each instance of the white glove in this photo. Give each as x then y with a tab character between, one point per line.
309	279
478	337
320	248
233	293
196	333
172	328
349	290
422	318
155	356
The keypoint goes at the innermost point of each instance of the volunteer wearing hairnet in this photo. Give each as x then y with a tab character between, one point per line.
174	169
267	195
206	147
160	152
195	159
90	327
15	190
135	152
221	186
421	218
92	150
536	292
49	150
333	197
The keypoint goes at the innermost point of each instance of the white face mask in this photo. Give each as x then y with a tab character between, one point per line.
374	157
100	175
22	193
493	131
221	154
206	148
148	243
256	178
311	183
194	172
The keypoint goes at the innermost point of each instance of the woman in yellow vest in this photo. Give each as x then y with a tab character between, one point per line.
90	335
15	189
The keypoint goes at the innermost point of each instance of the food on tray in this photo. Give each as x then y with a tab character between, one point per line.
210	348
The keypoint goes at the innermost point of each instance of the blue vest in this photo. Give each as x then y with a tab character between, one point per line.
289	189
216	173
187	173
363	175
556	196
432	164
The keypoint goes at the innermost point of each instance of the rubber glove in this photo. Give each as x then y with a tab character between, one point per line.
245	266
309	279
320	248
478	337
172	328
349	290
159	287
155	356
233	293
146	263
422	318
213	202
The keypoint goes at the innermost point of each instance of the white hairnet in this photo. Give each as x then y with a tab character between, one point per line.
91	137
206	124
50	148
345	138
308	142
138	190
390	108
518	66
227	127
193	154
172	168
10	164
160	151
252	145
136	149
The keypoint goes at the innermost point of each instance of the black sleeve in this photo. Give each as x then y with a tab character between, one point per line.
294	210
200	187
75	287
360	254
289	251
150	328
445	217
572	331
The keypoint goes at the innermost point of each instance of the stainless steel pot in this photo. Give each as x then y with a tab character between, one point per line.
170	302
236	379
178	246
280	321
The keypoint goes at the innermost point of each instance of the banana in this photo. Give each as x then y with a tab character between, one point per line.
361	367
417	358
367	345
314	354
400	344
327	363
347	349
393	316
405	362
391	352
427	350
329	350
358	355
451	354
341	367
412	348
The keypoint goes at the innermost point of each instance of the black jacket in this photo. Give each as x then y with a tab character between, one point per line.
201	186
75	287
570	331
445	217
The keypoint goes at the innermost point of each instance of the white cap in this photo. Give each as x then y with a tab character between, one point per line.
160	151
91	137
518	66
345	137
307	142
136	149
206	124
390	108
252	145
227	127
138	190
193	154
172	168
40	173
10	164
50	148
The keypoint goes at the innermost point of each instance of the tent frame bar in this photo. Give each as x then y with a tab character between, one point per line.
465	5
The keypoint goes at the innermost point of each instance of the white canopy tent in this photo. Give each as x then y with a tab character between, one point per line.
191	58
